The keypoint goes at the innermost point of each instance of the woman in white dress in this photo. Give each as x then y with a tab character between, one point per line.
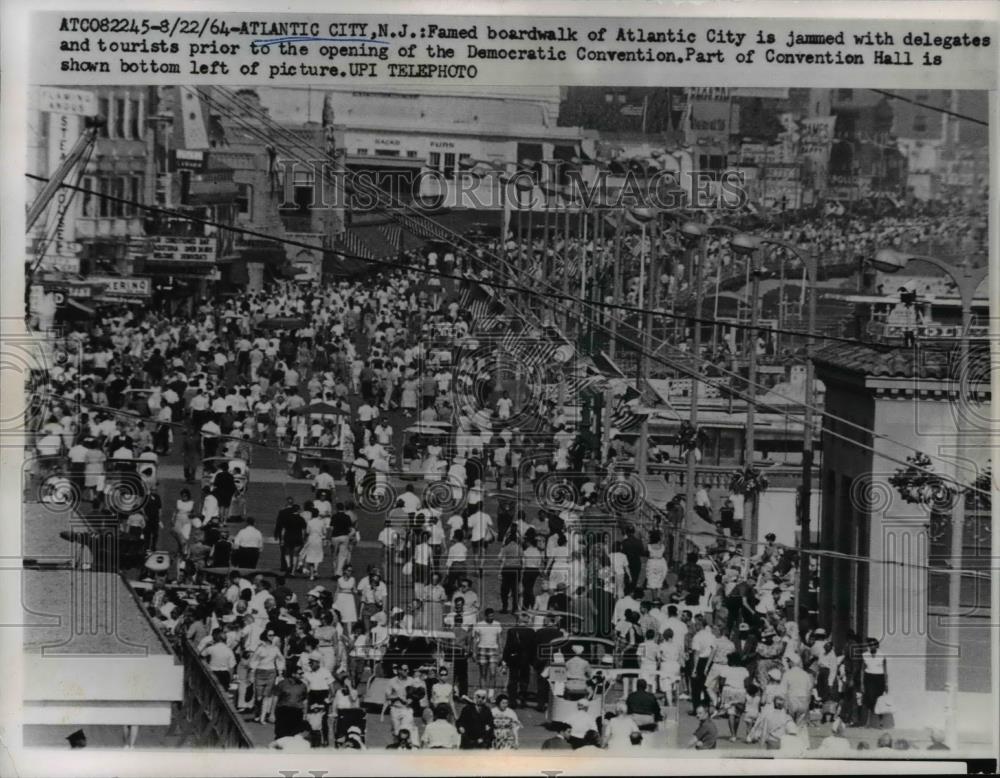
312	552
408	400
433	465
656	565
345	603
558	557
182	521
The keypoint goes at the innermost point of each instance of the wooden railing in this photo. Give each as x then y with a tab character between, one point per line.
718	476
207	715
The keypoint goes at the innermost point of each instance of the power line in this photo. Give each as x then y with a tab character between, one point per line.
552	295
442	274
571	311
557	296
964	117
812	551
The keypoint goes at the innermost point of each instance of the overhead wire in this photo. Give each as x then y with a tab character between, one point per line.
551	295
637	347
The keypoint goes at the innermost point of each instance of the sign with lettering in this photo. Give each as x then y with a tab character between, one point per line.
710	115
72	101
189	159
60	218
124	287
170	248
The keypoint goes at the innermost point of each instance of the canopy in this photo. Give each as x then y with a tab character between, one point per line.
282	323
321	408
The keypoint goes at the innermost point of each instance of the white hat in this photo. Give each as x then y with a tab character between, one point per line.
577	649
774	673
316	591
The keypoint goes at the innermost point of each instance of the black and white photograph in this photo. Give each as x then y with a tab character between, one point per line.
631	420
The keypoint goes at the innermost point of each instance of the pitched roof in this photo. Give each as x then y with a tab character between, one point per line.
926	361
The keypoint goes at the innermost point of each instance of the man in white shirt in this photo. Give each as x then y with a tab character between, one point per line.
625	603
323	481
486	642
504	405
411	502
675	623
247	545
220	658
480	531
702	646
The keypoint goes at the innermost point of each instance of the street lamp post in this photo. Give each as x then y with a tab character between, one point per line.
967	281
695	235
748	245
810	269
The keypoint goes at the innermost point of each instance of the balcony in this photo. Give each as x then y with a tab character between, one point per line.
109	227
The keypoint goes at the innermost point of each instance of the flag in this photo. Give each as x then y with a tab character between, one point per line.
393	235
352	244
623	417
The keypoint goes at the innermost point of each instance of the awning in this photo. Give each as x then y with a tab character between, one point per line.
212	192
81	306
268	253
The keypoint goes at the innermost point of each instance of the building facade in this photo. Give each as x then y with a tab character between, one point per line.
891	581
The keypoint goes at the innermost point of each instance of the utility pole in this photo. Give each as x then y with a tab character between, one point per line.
689	480
748	454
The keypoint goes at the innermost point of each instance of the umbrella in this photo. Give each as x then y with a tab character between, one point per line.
240	570
283	323
323	408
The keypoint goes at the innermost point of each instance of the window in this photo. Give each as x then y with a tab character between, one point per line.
135	119
449	165
88	201
411	154
434	160
103	109
119	118
303	183
609	97
386	152
134	195
362	152
104	206
621	98
920	123
244	200
118	208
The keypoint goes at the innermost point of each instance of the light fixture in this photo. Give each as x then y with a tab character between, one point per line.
889	260
744	243
692	229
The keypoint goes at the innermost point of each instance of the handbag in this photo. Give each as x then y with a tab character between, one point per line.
884	705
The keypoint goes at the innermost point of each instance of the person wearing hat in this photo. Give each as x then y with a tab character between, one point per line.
771	725
578	673
560	740
319	685
475	723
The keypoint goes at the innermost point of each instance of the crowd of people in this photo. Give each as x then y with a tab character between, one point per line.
714	634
